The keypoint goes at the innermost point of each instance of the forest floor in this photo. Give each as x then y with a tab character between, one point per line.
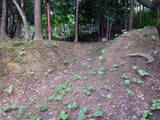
52	80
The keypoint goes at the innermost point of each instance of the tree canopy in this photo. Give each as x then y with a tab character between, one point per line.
106	18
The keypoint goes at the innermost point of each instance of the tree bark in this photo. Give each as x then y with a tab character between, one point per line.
48	20
3	28
24	19
99	28
126	13
17	29
37	20
131	17
77	23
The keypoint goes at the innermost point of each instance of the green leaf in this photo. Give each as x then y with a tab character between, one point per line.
82	116
142	73
129	91
146	114
135	67
65	62
103	50
76	77
133	117
59	97
9	89
63	115
124	76
42	107
101	71
127	82
84	110
10	107
139	81
73	105
51	98
91	87
98	114
101	58
109	96
116	65
155	105
35	117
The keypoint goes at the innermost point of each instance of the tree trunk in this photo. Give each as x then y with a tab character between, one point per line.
77	24
99	29
131	17
3	27
37	20
17	29
48	20
24	19
110	29
107	30
158	24
126	13
11	25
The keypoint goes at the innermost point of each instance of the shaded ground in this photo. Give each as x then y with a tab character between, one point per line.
58	80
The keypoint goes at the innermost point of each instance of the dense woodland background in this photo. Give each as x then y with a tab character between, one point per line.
84	19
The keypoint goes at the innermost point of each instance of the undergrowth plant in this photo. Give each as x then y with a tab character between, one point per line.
155	106
11	107
73	105
101	71
76	77
63	115
59	92
88	91
142	73
42	107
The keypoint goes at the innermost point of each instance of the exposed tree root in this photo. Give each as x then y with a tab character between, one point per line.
148	57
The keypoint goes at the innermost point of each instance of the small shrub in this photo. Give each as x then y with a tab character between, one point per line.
129	91
124	76
155	104
146	114
63	115
101	71
82	114
139	81
10	108
73	105
127	82
142	73
76	77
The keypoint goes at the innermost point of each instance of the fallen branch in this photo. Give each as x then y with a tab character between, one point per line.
148	57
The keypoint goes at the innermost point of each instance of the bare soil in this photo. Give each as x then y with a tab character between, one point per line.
90	74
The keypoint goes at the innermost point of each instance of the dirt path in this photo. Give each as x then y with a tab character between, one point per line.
90	81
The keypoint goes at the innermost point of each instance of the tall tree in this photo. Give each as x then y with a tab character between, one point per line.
77	22
24	19
3	27
37	20
48	19
131	16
